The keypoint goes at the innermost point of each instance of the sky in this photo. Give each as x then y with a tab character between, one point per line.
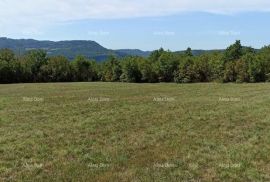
140	24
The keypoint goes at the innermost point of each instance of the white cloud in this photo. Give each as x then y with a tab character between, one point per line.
35	13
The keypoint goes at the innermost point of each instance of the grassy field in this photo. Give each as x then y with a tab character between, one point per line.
135	132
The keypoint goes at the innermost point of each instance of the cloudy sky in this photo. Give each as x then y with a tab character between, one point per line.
143	24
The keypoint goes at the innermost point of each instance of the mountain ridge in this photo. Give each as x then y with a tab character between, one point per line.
72	48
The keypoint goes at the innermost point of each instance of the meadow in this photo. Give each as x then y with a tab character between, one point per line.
135	132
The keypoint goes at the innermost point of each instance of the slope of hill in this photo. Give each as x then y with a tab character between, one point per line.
70	49
133	52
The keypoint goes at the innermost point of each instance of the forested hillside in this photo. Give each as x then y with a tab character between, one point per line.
69	49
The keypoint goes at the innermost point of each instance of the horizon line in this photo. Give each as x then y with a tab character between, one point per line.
88	40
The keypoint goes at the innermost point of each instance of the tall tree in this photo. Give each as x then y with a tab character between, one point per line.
166	66
7	69
131	71
35	60
57	69
233	52
154	56
111	70
188	52
148	71
186	72
84	69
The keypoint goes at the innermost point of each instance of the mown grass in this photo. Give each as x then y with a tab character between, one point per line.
134	132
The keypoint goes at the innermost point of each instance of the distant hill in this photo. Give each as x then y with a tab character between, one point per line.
70	49
133	52
200	52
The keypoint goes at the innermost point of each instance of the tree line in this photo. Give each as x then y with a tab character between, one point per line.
236	64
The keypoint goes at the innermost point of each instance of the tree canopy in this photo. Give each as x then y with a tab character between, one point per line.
235	64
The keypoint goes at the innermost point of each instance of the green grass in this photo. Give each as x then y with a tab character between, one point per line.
139	132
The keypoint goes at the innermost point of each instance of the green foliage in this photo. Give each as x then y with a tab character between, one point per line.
233	52
237	64
203	68
7	55
131	71
57	69
35	60
186	72
111	70
148	71
188	52
5	71
241	69
166	65
255	68
264	57
216	66
155	55
84	69
229	72
6	65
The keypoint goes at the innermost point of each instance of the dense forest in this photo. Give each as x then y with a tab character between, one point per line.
236	64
